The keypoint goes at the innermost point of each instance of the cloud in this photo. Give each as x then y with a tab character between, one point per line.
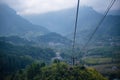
39	6
26	7
100	5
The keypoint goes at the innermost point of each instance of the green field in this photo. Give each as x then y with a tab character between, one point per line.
97	60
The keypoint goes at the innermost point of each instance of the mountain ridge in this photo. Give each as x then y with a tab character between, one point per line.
63	20
13	24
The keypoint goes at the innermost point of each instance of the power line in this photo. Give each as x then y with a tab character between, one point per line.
75	30
99	24
76	21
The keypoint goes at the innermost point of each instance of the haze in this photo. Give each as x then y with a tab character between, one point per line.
28	7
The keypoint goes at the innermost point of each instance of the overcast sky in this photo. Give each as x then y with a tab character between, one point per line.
27	7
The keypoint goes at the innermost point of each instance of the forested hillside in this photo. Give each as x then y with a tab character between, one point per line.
57	71
14	57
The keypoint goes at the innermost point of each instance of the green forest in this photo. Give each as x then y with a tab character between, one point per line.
56	71
14	57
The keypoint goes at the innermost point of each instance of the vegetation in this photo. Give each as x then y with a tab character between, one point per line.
13	57
11	63
33	52
102	58
97	60
97	55
110	70
57	71
105	51
16	40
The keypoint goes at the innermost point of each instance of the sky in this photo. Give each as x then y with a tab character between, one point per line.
28	7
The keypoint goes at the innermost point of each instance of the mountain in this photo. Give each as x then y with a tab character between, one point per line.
13	24
63	21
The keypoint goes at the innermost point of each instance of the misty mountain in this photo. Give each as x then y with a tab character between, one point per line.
63	21
60	22
13	24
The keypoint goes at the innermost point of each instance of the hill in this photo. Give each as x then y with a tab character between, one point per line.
57	71
16	40
53	39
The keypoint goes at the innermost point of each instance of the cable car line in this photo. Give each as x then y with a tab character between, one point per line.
75	31
97	27
99	24
76	21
